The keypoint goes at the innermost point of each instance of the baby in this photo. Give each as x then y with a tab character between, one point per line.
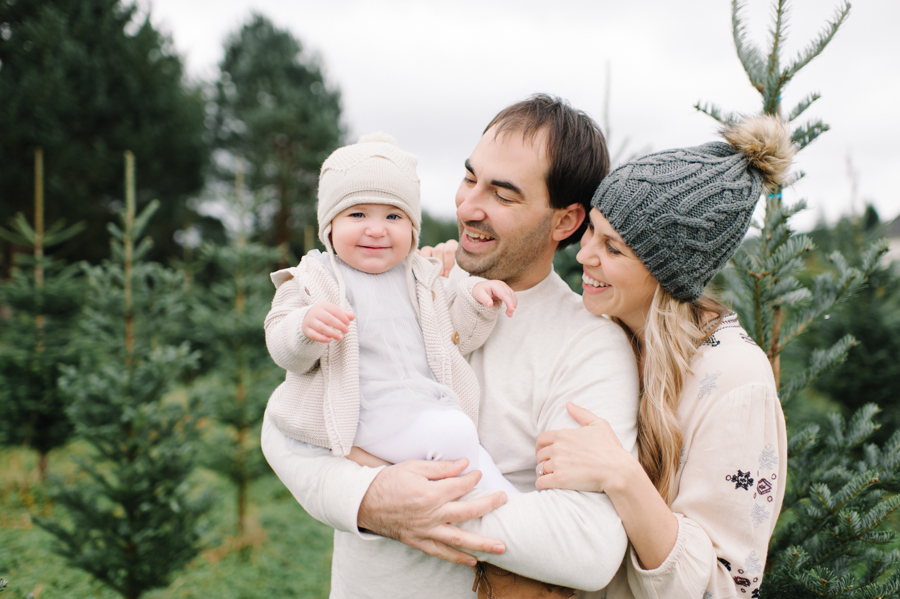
372	344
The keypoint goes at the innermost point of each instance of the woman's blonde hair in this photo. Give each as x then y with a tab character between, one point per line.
671	336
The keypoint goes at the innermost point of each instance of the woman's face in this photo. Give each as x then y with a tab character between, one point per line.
615	281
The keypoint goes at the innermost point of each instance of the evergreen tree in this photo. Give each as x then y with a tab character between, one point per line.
274	109
229	320
872	317
830	540
86	80
44	297
131	517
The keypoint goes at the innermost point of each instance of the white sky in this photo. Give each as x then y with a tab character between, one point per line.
434	73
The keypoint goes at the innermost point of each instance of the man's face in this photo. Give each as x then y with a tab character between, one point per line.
503	209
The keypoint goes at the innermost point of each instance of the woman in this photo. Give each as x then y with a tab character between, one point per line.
701	500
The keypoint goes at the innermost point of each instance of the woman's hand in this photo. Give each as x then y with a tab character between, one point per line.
364	458
445	252
589	458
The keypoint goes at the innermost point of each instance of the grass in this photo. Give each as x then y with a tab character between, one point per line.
283	553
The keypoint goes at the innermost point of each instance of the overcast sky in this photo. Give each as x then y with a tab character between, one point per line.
434	73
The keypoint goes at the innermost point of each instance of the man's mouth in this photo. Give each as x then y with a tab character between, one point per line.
478	237
592	282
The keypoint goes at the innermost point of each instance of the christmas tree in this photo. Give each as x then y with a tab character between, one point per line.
229	321
831	539
131	516
44	297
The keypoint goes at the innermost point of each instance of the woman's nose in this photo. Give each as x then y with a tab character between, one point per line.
587	256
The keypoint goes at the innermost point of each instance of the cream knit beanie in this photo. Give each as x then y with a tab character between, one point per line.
372	171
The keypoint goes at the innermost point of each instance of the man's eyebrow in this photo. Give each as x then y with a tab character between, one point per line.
497	183
507	185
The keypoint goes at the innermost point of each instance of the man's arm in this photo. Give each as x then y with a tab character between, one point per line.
573	538
331	490
565	537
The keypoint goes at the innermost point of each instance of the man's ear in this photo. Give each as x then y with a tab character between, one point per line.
567	220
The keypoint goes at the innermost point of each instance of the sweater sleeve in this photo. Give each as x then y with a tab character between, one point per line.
572	538
329	488
288	346
729	497
471	320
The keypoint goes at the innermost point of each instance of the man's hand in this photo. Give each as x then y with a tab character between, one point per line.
445	252
487	292
414	503
325	321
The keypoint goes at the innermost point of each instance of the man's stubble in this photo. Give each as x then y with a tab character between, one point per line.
512	258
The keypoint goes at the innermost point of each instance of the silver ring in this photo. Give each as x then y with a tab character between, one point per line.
540	469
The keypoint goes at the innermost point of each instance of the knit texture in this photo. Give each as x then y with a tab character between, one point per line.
373	171
685	211
318	402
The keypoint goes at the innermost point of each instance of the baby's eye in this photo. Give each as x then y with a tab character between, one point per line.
356	215
394	217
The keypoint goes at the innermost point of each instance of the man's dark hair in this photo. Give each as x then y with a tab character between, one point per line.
576	149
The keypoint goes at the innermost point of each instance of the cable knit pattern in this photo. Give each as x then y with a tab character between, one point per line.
683	212
318	402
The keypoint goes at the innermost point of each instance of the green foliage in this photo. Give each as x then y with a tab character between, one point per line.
44	297
287	556
229	317
272	107
436	229
131	519
830	540
87	79
872	318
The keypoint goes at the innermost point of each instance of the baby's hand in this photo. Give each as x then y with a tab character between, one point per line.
486	292
324	322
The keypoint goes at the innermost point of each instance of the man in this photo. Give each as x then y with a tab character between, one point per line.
525	192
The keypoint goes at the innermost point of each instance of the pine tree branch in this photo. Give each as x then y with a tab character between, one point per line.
803	105
816	46
716	113
804	135
749	55
821	361
774	80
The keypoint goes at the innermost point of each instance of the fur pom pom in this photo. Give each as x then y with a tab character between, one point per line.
766	142
377	137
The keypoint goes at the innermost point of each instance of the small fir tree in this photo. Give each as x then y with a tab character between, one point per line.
131	516
44	297
229	320
830	541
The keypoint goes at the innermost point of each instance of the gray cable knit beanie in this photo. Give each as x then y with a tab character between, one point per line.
684	212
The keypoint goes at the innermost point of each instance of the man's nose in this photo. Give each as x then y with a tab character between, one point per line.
470	204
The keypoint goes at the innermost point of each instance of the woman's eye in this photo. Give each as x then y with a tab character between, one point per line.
612	250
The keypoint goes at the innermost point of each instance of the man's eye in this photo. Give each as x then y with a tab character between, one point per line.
469	180
503	200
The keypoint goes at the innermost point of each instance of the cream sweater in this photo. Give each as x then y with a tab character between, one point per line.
318	402
551	351
730	482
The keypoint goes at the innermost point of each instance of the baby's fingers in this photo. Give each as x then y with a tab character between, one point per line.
343	316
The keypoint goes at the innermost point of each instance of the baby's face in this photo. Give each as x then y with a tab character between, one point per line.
372	238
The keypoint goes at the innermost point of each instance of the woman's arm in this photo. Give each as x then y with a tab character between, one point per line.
592	459
730	491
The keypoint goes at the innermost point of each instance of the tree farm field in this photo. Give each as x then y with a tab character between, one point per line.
283	553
